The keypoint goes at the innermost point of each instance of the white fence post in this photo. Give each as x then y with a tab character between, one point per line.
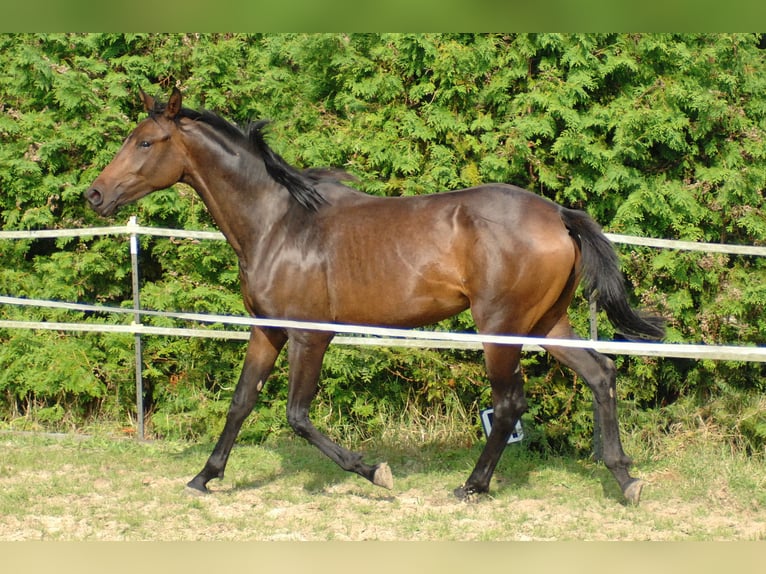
132	224
598	445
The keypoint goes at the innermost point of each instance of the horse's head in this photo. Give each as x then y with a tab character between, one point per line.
150	159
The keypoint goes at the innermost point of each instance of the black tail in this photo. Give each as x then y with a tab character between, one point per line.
601	273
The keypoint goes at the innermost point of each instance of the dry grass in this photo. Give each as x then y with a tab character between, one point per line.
106	489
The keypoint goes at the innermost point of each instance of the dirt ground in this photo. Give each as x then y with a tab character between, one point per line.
64	491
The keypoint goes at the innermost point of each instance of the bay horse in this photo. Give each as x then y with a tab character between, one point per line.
311	248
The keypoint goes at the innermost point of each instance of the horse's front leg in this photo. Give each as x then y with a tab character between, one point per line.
262	352
305	353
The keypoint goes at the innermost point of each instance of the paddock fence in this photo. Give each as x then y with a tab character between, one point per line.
362	335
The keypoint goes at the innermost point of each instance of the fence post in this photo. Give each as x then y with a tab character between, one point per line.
137	321
598	445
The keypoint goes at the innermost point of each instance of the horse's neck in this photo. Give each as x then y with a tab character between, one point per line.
243	200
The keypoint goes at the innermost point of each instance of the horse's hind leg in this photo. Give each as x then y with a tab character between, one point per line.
305	353
509	404
262	352
600	374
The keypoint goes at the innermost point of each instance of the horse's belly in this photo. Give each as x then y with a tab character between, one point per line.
396	305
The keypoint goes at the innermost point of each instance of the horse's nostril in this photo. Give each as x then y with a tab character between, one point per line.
94	196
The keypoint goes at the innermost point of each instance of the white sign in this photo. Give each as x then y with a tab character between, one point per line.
486	422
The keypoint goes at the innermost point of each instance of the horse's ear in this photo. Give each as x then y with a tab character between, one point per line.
174	104
147	100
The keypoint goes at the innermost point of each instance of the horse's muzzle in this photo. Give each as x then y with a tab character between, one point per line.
96	200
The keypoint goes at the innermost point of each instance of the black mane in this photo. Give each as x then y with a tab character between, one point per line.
299	183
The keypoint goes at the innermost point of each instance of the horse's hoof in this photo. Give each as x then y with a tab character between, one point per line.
383	476
196	487
632	492
466	494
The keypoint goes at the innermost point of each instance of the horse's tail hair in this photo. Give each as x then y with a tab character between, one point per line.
601	274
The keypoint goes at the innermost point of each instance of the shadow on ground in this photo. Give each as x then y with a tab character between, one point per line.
259	465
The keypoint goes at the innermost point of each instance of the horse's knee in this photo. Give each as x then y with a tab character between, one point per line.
239	408
244	398
519	402
510	409
513	409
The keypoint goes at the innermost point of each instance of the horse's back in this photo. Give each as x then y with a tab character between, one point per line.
501	203
489	217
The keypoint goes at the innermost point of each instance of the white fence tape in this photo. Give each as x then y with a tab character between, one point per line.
688	245
375	336
217	235
114	230
367	335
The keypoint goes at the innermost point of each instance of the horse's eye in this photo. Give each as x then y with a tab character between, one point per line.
145	143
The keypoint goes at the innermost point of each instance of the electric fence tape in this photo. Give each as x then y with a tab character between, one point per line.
376	336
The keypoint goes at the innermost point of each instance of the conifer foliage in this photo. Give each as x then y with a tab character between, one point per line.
657	135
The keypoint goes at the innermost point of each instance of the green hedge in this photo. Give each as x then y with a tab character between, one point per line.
658	135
